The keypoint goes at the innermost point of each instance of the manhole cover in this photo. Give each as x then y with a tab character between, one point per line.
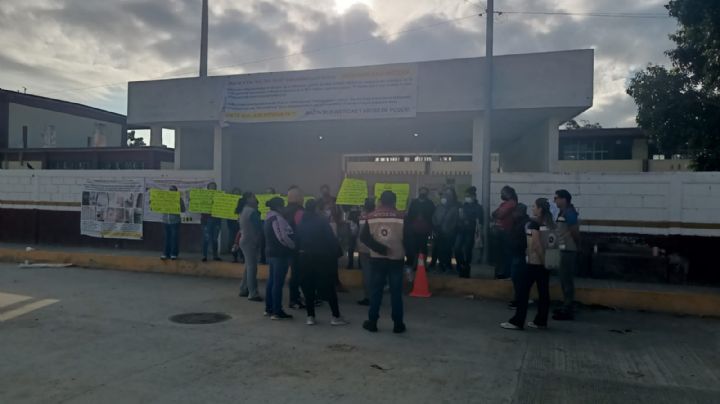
199	318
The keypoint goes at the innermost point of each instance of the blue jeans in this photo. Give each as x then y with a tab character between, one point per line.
210	236
276	280
384	270
172	233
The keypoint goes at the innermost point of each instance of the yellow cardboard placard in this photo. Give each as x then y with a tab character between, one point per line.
353	192
402	193
162	201
201	200
224	205
262	200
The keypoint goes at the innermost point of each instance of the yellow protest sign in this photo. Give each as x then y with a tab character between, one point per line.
262	200
201	200
402	193
352	192
162	201
224	205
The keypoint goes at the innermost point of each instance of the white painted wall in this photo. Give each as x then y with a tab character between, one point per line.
71	130
652	197
65	186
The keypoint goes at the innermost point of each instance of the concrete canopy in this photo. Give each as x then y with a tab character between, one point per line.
534	93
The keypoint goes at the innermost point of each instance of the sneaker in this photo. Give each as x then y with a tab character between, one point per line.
364	302
512	305
217	259
310	320
399	328
204	259
338	321
370	326
510	326
266	314
173	258
163	257
281	316
536	326
297	306
318	303
244	294
255	299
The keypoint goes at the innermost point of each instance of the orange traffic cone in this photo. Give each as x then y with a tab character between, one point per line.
420	286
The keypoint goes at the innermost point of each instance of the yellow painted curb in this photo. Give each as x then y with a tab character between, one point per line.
691	303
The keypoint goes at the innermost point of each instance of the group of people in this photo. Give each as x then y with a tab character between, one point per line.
307	239
529	247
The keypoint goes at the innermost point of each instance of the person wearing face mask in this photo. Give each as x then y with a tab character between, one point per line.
445	223
419	226
470	222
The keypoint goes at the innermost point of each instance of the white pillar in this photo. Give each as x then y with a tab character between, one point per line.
156	136
217	155
553	145
178	148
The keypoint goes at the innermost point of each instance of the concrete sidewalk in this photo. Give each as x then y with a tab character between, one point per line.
676	299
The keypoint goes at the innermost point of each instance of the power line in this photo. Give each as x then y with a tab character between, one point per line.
591	14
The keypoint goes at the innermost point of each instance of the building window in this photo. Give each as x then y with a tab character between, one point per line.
595	149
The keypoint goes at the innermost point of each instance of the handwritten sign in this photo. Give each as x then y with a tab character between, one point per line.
224	205
402	193
262	200
201	200
352	192
162	201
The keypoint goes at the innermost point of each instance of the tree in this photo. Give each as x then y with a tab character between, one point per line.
679	106
584	124
133	141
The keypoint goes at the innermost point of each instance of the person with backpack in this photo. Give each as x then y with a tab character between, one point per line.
445	222
470	221
539	238
279	249
419	225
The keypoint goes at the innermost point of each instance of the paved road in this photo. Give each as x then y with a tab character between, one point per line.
95	336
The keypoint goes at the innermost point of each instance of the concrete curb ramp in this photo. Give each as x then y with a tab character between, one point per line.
682	302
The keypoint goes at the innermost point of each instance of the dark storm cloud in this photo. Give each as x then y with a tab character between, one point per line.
61	41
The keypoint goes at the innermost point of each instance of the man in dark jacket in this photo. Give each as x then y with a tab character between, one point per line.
470	221
418	226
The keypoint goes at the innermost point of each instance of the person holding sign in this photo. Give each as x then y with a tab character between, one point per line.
251	228
172	231
211	230
293	214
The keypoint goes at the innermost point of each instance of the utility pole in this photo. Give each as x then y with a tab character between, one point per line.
204	40
487	132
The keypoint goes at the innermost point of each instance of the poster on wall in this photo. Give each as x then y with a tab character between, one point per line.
184	187
368	92
113	208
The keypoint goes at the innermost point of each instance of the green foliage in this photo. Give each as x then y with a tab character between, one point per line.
679	106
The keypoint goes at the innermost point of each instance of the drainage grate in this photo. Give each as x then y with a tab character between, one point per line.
200	318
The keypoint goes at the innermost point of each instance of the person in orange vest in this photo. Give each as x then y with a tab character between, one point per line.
383	235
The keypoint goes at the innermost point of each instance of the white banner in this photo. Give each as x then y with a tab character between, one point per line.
341	93
113	208
184	186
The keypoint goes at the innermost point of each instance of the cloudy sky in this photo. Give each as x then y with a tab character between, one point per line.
86	51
